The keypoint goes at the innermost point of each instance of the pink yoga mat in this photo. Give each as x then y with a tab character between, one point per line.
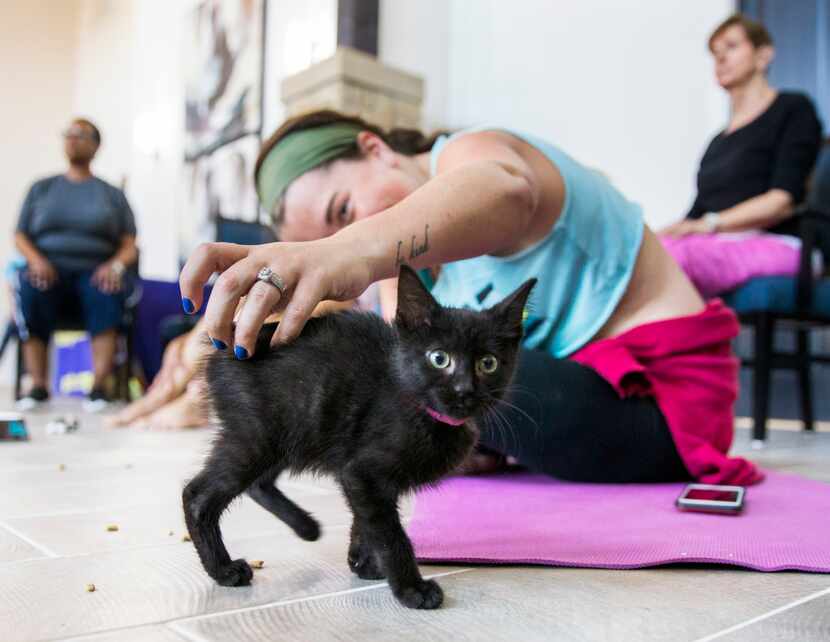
532	519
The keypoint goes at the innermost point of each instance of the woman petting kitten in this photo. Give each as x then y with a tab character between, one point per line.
382	409
625	376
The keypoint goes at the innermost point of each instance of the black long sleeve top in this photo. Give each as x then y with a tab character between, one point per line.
776	150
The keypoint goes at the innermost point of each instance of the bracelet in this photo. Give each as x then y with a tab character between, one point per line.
118	267
711	220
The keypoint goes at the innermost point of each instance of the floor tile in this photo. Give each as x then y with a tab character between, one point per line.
526	604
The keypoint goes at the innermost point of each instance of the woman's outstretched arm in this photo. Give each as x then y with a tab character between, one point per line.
482	202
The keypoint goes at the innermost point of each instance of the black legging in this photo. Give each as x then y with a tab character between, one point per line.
571	424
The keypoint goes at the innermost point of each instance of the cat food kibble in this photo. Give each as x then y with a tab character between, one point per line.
185	537
90	588
256	564
112	527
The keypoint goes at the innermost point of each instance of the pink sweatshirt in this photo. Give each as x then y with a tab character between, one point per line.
693	376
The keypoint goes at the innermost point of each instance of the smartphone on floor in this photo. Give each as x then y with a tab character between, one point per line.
712	498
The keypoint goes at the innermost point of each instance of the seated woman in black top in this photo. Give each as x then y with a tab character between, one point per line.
753	173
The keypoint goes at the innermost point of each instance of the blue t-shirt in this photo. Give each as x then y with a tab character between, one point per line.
76	226
583	265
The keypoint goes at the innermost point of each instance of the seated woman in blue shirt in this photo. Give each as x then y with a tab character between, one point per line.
77	235
753	173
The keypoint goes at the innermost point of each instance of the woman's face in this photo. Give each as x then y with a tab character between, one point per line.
79	143
326	199
736	58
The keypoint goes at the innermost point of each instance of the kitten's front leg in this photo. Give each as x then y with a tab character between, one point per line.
379	527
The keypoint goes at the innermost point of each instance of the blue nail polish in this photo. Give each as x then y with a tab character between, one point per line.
219	345
188	306
240	352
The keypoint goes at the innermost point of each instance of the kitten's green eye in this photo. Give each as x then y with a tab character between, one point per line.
487	364
439	359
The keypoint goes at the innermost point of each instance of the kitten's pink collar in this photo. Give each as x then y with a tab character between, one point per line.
452	421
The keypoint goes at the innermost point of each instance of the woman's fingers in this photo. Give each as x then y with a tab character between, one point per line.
304	298
205	260
229	288
260	301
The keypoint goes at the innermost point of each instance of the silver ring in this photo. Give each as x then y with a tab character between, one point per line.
267	275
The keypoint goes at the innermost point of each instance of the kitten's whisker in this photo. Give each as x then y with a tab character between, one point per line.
497	426
516	408
516	388
503	426
519	410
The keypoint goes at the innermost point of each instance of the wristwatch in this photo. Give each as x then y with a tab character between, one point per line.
711	220
118	267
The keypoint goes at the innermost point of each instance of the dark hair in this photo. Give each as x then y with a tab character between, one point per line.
754	30
403	141
96	134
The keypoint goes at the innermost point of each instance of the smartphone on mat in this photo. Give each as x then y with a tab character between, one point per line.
712	498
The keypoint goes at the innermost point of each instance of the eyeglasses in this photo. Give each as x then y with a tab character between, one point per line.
74	133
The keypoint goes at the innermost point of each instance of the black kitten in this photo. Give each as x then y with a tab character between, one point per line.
384	409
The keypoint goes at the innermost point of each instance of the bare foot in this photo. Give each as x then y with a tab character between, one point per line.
160	394
187	411
177	369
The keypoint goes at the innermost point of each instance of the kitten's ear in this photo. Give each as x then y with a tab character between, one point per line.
511	309
415	303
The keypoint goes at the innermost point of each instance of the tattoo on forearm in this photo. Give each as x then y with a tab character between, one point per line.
415	249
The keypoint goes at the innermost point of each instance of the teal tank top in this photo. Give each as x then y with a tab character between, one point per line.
583	265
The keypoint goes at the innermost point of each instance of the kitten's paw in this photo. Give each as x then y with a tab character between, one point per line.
309	530
426	595
367	569
365	565
237	573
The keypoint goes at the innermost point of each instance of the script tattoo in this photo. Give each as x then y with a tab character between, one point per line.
415	249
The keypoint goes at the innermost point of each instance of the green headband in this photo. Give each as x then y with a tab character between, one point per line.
298	153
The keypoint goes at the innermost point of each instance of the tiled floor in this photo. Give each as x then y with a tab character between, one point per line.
58	494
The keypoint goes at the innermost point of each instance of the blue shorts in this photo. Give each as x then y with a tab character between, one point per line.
73	297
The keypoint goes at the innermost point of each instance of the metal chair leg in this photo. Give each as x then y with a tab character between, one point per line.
761	375
805	380
19	370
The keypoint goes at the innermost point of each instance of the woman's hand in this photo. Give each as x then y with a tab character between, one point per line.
107	278
311	271
685	228
41	273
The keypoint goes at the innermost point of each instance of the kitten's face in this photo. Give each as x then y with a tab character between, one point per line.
458	362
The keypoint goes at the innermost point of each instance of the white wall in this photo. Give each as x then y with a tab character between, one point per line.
37	57
415	37
625	86
298	34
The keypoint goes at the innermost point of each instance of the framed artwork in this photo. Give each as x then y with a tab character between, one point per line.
223	123
224	67
229	180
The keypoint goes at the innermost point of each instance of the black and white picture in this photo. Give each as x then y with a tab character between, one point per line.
223	97
224	51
